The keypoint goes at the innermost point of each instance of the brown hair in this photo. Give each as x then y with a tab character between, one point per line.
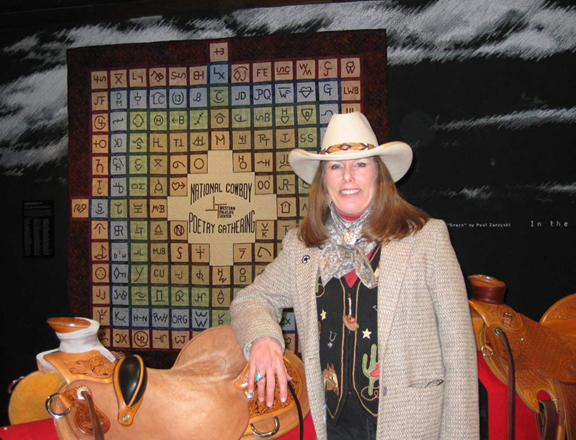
391	217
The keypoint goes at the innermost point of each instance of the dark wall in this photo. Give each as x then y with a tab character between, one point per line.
34	289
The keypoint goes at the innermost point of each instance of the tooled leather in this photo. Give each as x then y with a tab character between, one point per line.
544	358
82	417
77	366
537	347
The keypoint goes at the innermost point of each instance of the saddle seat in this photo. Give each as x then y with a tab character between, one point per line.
562	316
568	327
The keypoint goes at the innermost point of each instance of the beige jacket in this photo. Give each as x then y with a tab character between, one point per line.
427	355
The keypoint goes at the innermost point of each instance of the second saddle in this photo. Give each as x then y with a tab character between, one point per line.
542	356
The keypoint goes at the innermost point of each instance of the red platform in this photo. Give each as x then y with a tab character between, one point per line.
40	430
526	428
44	430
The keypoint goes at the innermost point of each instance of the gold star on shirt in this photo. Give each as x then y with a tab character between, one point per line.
323	314
366	334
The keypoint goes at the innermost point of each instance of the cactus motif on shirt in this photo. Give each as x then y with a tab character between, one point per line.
371	371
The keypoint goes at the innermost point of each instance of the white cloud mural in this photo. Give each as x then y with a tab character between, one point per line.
33	113
516	120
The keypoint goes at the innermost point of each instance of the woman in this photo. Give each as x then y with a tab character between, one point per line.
379	298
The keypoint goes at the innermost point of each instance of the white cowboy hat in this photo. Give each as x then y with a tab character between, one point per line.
350	136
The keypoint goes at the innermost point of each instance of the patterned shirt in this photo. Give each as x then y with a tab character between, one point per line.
347	321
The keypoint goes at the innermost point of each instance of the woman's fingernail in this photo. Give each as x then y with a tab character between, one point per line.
269	404
283	399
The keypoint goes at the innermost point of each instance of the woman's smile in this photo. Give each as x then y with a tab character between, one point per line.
351	183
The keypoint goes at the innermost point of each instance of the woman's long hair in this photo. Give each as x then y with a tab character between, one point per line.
391	217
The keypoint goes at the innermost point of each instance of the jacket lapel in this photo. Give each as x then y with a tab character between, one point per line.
306	277
394	259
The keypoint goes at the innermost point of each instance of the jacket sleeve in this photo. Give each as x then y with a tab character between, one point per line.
460	415
257	310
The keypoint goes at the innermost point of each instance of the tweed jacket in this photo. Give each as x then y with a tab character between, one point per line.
427	356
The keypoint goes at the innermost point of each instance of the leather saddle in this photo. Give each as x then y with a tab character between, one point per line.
203	396
531	357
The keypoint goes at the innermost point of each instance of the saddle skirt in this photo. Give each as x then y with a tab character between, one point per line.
201	397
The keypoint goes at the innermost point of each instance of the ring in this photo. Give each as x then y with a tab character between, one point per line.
259	376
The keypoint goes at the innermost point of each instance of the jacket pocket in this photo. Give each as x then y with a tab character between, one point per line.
426	400
427	383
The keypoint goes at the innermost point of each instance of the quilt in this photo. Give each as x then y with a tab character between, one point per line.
180	188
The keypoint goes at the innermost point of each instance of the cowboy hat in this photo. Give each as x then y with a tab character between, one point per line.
350	136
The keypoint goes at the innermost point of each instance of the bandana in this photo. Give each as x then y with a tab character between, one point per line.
345	250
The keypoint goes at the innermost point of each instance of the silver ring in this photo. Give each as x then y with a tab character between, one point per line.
48	406
269	433
258	376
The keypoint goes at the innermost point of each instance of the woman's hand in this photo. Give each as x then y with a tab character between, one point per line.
266	358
